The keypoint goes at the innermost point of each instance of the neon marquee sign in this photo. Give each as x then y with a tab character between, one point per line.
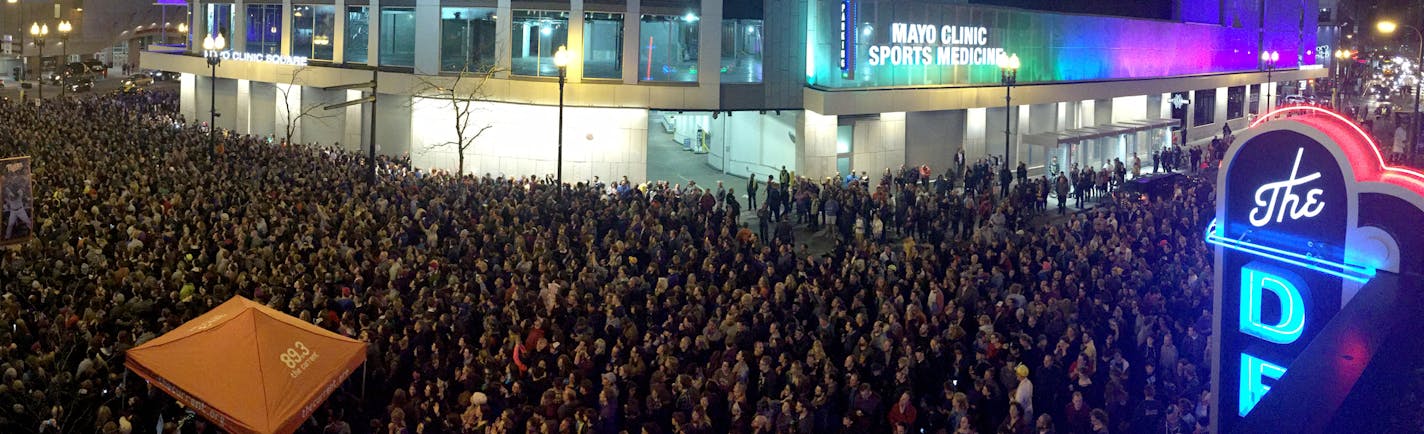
1301	257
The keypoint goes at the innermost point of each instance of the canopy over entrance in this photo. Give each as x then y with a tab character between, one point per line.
248	368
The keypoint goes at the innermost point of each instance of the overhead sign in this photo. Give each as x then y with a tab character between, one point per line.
1308	235
263	57
931	44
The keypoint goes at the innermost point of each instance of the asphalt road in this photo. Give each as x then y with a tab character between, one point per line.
11	89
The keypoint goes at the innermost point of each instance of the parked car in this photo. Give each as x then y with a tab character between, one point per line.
1295	99
163	75
138	80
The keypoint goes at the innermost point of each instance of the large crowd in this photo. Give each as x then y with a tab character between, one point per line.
512	304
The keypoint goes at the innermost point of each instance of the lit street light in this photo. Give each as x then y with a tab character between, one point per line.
1008	76
39	32
64	28
1340	56
561	60
1389	27
211	47
1270	58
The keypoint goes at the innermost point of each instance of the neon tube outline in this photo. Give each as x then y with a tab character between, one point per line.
1356	273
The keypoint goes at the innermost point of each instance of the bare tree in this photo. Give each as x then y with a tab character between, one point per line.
304	110
462	91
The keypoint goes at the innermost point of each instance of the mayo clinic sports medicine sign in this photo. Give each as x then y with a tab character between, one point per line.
276	59
1317	300
928	44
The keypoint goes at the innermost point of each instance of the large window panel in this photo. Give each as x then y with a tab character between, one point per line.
397	36
264	28
1254	104
1235	101
312	30
219	21
1204	106
536	35
602	45
358	34
667	46
741	51
467	39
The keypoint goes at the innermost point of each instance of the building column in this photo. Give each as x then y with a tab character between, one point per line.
632	22
199	26
237	36
709	49
373	30
427	56
338	34
816	144
242	116
575	42
286	28
503	38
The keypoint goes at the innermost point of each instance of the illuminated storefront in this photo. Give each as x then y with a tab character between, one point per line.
821	87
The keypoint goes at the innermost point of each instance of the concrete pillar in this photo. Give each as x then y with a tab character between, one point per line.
286	31
709	48
427	56
373	28
338	34
503	38
199	26
238	38
575	41
632	22
242	115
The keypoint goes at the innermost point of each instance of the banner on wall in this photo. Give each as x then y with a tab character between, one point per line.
17	207
1317	295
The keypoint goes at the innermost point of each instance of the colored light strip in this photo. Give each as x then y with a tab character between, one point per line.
1352	272
1402	176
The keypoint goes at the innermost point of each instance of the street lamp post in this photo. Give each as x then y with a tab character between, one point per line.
561	60
1388	27
39	32
64	27
24	64
1340	56
211	47
1269	58
1008	76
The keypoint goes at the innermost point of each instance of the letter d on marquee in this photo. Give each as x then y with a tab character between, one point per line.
1254	281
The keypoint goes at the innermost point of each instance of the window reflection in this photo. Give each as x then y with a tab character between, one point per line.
741	51
312	27
602	45
358	19
397	37
667	48
536	35
467	39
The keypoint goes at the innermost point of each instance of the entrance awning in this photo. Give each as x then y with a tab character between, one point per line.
1053	139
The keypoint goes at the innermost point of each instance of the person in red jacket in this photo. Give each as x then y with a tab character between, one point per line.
903	413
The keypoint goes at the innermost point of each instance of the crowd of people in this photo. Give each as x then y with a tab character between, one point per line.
512	304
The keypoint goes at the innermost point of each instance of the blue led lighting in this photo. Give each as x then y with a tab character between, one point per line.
1354	273
1252	389
1254	281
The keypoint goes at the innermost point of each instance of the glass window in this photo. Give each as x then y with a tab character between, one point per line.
219	21
668	48
467	39
312	28
1204	107
602	45
536	35
358	19
1235	99
741	51
1254	104
397	36
264	29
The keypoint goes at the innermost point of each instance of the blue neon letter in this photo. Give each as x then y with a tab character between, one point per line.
1252	389
1255	280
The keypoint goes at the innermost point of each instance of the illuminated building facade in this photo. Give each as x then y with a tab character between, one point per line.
818	86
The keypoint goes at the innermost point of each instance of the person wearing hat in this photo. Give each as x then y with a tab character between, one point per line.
1023	394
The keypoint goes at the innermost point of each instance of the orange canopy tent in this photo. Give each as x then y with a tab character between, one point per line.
248	368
